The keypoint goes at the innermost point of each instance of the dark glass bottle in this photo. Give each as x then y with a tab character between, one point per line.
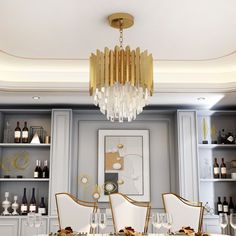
216	170
223	137
17	133
36	170
32	206
223	170
40	171
24	204
42	207
231	206
45	170
25	134
219	206
225	206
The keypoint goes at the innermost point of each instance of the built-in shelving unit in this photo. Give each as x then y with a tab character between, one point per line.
209	188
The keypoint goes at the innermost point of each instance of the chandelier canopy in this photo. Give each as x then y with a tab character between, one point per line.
121	80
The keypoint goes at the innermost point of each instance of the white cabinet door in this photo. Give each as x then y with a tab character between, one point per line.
9	227
53	225
28	231
60	155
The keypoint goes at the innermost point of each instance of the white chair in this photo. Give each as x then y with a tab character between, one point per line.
184	213
74	212
127	212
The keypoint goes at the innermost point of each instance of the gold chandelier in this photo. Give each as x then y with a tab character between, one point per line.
121	80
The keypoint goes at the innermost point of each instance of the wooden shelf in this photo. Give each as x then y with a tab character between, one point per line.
218	180
24	145
23	180
212	146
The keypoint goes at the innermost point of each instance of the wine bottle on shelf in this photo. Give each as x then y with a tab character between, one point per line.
36	170
42	207
231	206
17	133
225	206
32	206
40	171
223	170
219	206
25	134
216	170
24	204
45	169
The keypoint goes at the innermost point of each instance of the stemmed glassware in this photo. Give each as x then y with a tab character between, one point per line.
102	221
34	220
233	221
94	221
223	219
167	221
156	220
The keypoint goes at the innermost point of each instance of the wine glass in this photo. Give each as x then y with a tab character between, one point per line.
223	219
233	221
167	221
37	221
30	219
102	219
156	220
94	221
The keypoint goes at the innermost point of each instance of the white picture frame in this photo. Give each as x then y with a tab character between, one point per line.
131	149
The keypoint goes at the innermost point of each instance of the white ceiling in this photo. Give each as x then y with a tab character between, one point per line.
46	45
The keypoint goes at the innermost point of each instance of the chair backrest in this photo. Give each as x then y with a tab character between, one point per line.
184	213
127	212
74	212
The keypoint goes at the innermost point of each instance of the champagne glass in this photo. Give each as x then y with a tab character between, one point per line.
156	220
102	220
167	221
30	219
37	221
233	221
223	219
94	221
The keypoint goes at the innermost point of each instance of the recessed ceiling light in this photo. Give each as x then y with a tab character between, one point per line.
36	97
201	99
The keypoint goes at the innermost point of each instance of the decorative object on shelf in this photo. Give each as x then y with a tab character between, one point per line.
35	139
6	204
121	80
7	133
230	138
233	169
15	206
204	131
47	139
40	133
213	135
222	137
123	161
208	210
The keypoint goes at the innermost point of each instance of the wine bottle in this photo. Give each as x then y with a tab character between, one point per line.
231	206
36	170
45	169
225	206
25	134
223	171
42	207
219	206
24	204
216	170
40	171
32	206
17	133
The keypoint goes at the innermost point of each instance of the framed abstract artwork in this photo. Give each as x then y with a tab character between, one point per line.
123	163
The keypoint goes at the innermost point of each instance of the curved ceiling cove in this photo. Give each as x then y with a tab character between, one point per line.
171	30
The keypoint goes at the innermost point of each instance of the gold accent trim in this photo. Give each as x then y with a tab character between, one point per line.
115	20
78	201
189	203
136	203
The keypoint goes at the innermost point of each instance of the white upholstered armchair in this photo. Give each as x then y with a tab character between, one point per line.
127	212
74	212
184	213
